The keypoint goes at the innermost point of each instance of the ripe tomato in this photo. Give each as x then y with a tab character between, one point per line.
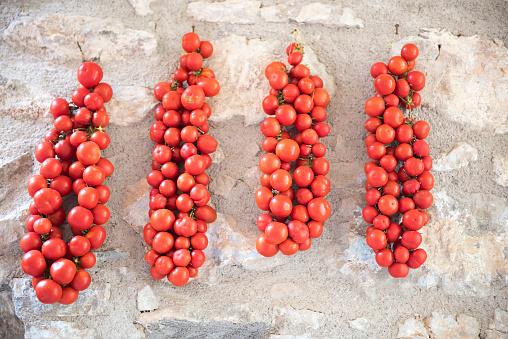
97	235
372	196
269	163
47	200
377	177
206	213
276	232
280	180
179	276
265	248
409	52
369	213
397	65
417	258
89	74
393	232
210	86
402	88
62	271
376	239
69	295
398	270
378	68
190	42
285	115
401	254
321	97
81	280
385	134
289	247
280	205
298	231
376	150
88	153
272	67
278	79
319	209
384	257
384	84
416	80
48	291
421	129
388	205
412	220
411	239
33	263
423	199
287	150
193	97
393	117
53	249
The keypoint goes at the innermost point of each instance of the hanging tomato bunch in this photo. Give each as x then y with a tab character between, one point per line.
296	99
181	156
71	161
400	164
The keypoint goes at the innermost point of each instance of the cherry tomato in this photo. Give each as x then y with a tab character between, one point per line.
48	291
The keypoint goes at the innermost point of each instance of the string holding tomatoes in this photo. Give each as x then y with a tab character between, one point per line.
297	100
71	161
179	213
399	157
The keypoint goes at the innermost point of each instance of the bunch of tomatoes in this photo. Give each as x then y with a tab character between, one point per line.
181	156
298	100
398	178
71	161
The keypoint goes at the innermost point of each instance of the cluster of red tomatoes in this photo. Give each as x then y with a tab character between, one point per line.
400	156
71	161
296	99
181	156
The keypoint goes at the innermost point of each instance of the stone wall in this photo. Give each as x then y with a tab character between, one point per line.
333	290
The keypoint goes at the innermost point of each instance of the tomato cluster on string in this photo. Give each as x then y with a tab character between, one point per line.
181	156
296	99
400	156
71	161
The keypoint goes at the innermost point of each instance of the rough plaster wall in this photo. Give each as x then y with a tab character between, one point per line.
335	288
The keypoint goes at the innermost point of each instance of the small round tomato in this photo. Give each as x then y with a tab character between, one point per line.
398	270
384	257
276	232
376	239
280	205
48	291
62	271
409	52
417	258
384	84
319	209
89	74
397	65
179	276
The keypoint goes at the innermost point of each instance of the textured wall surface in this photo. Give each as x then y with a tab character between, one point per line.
333	290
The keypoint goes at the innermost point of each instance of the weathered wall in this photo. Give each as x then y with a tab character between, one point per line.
333	290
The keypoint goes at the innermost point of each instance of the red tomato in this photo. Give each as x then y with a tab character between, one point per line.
417	258
409	52
210	86
398	270
62	271
179	276
384	257
319	209
48	291
193	97
384	84
376	239
397	65
89	74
